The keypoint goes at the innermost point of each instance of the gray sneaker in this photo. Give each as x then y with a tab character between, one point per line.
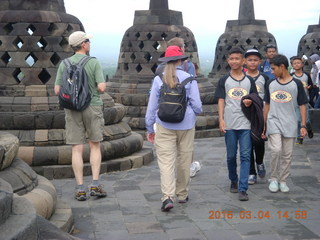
243	196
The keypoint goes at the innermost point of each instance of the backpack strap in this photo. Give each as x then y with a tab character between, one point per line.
187	80
84	60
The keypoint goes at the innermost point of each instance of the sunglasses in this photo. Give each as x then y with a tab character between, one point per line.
87	40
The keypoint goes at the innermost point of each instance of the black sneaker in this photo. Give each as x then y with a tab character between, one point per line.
81	196
97	191
310	132
243	196
261	170
299	140
234	187
167	205
184	200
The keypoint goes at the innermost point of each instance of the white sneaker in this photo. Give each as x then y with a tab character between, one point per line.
274	186
284	187
194	168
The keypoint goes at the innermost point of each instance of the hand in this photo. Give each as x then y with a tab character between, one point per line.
247	102
222	126
150	137
303	132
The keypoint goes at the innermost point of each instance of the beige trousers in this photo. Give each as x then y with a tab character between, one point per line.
174	149
281	156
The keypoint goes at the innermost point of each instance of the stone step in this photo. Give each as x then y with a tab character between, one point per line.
22	222
136	160
6	196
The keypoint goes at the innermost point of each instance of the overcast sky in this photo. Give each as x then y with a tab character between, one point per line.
108	20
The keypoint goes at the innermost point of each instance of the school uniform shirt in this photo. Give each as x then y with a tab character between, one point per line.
261	81
283	99
232	91
306	81
194	106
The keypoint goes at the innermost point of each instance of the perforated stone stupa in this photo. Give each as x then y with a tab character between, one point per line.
310	42
141	47
246	33
33	41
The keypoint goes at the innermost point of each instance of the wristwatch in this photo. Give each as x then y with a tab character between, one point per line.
304	126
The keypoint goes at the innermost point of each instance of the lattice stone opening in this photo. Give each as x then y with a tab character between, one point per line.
177	34
149	36
139	68
137	35
31	29
52	27
318	48
18	75
156	45
0	42
18	42
164	36
31	59
141	45
69	28
8	28
260	41
248	41
126	66
129	44
313	41
154	67
6	58
219	67
42	43
148	57
44	76
235	41
55	59
133	57
63	43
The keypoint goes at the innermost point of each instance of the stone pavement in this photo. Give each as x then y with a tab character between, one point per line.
132	208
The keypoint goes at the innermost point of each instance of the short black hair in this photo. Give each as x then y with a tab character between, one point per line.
236	50
270	46
295	58
279	59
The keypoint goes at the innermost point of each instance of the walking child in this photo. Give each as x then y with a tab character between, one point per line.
232	121
253	59
305	78
282	96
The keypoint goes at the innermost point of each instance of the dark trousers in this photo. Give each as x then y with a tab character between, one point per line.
257	154
313	95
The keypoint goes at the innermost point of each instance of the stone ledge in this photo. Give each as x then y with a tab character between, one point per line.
62	217
118	164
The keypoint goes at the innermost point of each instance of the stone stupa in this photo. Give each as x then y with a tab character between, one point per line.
245	33
141	47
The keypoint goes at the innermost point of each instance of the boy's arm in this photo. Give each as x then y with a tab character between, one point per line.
303	113
222	125
266	109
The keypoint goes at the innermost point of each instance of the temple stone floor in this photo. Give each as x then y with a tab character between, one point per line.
132	208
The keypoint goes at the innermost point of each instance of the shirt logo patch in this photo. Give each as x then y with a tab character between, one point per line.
281	96
237	93
258	88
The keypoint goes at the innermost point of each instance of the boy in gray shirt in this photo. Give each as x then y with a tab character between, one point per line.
232	121
282	96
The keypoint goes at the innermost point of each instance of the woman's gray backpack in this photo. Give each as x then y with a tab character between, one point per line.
173	102
74	89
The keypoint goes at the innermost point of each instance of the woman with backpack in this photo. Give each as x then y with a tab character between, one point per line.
174	137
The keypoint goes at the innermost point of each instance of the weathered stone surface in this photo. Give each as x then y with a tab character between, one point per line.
9	145
6	195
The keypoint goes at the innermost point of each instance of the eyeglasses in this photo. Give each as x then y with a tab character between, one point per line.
87	40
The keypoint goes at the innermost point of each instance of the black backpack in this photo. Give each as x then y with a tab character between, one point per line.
74	90
173	102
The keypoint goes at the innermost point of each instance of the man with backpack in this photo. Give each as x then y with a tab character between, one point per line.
174	137
87	120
